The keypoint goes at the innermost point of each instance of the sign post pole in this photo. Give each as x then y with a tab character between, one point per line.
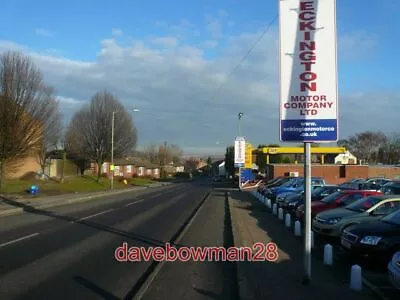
308	86
307	212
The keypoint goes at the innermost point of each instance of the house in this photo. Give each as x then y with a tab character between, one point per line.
129	167
346	159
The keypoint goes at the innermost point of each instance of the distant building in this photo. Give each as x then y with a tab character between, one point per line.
346	159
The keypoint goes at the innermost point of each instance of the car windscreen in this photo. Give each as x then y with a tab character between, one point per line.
331	198
363	204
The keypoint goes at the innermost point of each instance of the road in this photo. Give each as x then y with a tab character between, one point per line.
68	252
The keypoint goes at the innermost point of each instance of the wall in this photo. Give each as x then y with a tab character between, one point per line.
335	174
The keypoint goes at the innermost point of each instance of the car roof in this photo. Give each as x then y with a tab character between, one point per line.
351	191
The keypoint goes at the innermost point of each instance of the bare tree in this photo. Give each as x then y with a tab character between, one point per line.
89	133
191	164
365	145
163	153
24	109
52	130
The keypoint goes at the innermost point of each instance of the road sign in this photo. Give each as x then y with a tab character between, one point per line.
240	148
308	71
248	163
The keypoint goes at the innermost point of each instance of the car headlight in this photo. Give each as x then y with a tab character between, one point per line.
370	240
334	220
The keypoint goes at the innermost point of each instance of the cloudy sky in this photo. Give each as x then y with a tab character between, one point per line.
175	61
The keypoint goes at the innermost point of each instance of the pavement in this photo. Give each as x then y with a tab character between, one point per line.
68	252
281	279
10	205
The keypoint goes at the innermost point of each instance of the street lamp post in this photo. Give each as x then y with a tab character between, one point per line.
240	115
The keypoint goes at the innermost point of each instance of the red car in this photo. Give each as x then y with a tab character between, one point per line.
334	200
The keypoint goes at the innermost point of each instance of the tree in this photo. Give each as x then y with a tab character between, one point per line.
89	133
390	152
191	164
52	131
230	160
157	154
209	161
365	145
26	104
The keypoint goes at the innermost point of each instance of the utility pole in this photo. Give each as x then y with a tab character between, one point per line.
165	159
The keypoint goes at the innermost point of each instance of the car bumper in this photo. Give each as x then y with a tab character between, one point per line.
376	252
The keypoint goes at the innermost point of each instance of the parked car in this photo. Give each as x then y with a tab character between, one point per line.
378	240
394	270
333	222
292	202
315	185
334	200
296	184
354	183
391	188
274	183
374	183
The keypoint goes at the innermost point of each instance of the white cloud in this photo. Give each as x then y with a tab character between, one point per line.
356	45
44	32
210	44
167	41
116	32
215	28
176	91
69	100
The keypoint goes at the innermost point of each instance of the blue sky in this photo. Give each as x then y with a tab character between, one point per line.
172	55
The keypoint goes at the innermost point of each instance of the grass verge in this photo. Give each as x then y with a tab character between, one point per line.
72	184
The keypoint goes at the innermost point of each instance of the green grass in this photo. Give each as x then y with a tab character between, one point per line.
71	184
141	181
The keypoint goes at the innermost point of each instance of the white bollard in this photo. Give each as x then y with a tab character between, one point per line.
356	278
269	203
297	228
280	213
274	209
288	220
328	255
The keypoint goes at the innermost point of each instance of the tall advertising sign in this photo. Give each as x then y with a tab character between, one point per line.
248	164
240	149
308	71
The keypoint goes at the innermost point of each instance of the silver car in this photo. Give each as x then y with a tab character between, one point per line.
333	222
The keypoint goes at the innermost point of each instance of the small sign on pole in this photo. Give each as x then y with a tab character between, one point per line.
240	149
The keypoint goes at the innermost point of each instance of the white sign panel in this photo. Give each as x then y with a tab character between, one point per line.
308	71
240	151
